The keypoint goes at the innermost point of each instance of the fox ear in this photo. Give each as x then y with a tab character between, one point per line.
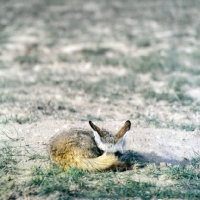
123	130
97	129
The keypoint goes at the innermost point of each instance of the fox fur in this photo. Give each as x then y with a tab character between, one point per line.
89	150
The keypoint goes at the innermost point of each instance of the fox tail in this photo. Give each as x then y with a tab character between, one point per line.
104	162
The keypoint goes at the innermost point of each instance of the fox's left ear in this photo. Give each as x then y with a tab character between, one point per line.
97	129
96	137
123	130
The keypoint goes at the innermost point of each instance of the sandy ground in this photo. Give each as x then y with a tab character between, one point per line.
63	63
156	145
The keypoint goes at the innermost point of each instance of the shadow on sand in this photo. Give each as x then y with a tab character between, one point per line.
132	156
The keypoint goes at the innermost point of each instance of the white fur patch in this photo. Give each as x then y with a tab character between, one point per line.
109	147
98	141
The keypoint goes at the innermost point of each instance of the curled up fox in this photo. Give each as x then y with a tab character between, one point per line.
95	150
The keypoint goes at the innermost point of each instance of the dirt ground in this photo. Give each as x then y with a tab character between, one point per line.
63	63
156	145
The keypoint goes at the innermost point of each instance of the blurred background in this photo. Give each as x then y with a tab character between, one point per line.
101	60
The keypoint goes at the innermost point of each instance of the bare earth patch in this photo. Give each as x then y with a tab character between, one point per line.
156	145
64	63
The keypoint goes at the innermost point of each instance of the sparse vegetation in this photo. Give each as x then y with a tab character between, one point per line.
28	59
87	60
182	181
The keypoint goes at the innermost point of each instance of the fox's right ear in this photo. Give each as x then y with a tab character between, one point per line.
97	129
123	130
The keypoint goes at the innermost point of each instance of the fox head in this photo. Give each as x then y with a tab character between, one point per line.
110	143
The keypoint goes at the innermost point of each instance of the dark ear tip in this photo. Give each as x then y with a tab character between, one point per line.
91	124
128	122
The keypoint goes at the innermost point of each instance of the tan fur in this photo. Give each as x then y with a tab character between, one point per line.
78	148
104	162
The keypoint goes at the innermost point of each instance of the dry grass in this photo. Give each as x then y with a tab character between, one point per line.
103	61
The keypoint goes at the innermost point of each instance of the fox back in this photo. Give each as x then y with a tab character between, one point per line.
88	150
